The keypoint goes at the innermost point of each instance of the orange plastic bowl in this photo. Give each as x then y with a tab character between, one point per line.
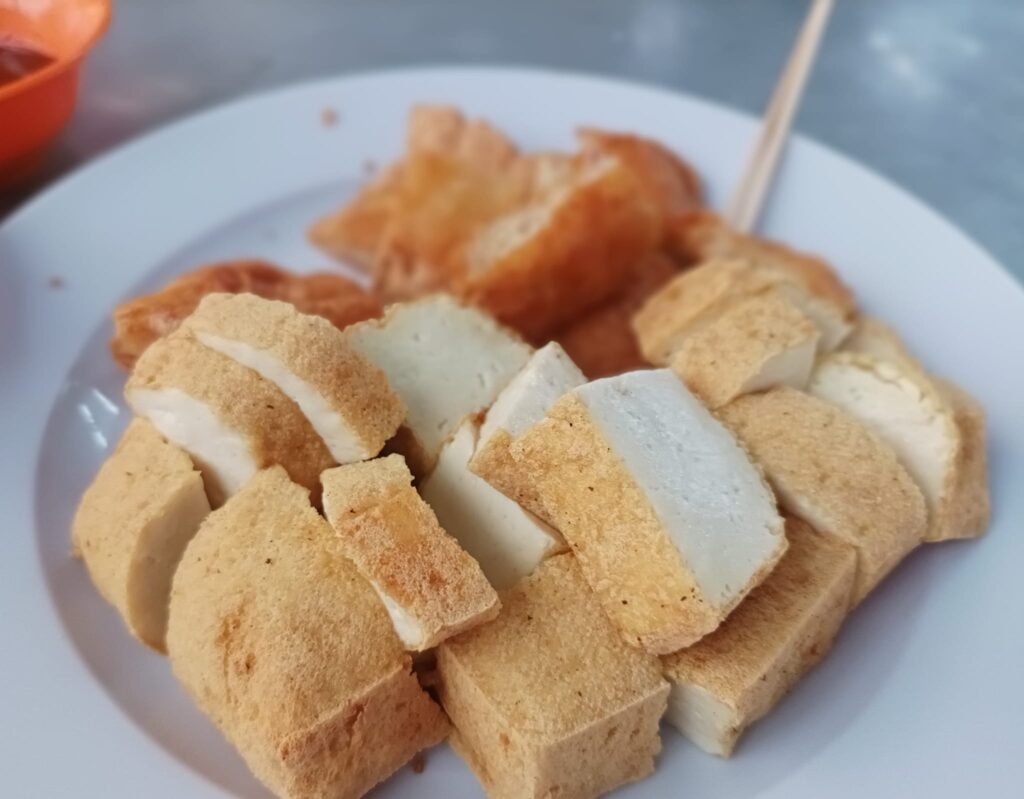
35	108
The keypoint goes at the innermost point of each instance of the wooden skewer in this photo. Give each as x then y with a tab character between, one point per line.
745	206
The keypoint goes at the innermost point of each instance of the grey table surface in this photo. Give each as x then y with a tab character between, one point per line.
928	92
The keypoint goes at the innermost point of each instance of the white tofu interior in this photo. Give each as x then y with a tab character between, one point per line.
707	494
702	718
446	362
222	454
789	367
505	540
898	410
337	434
407	627
548	375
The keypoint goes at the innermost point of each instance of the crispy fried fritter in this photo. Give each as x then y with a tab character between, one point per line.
602	342
141	321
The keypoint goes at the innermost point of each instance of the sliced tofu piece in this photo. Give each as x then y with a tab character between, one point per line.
507	541
689	302
756	343
132	525
827	468
548	700
447	362
431	588
671	522
539	267
702	235
964	510
735	676
346	398
907	410
548	375
228	418
289	651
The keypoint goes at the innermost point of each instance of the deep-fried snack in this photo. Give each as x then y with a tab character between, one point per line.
670	181
670	520
231	421
730	679
758	342
534	239
602	342
828	469
288	650
346	398
700	295
141	321
431	587
548	700
132	525
701	235
538	268
929	429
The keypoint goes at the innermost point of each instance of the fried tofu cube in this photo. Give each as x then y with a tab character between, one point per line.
694	298
929	429
507	541
346	399
831	471
966	507
447	363
548	700
756	343
289	651
703	235
431	587
670	521
133	523
548	375
737	674
231	421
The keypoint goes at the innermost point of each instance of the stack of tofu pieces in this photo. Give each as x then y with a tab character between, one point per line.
354	544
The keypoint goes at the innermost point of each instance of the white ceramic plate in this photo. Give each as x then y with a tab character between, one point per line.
924	692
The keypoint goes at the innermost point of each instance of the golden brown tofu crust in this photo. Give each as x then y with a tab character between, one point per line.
824	463
778	633
548	699
717	361
316	352
289	651
395	540
277	431
567	474
142	479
